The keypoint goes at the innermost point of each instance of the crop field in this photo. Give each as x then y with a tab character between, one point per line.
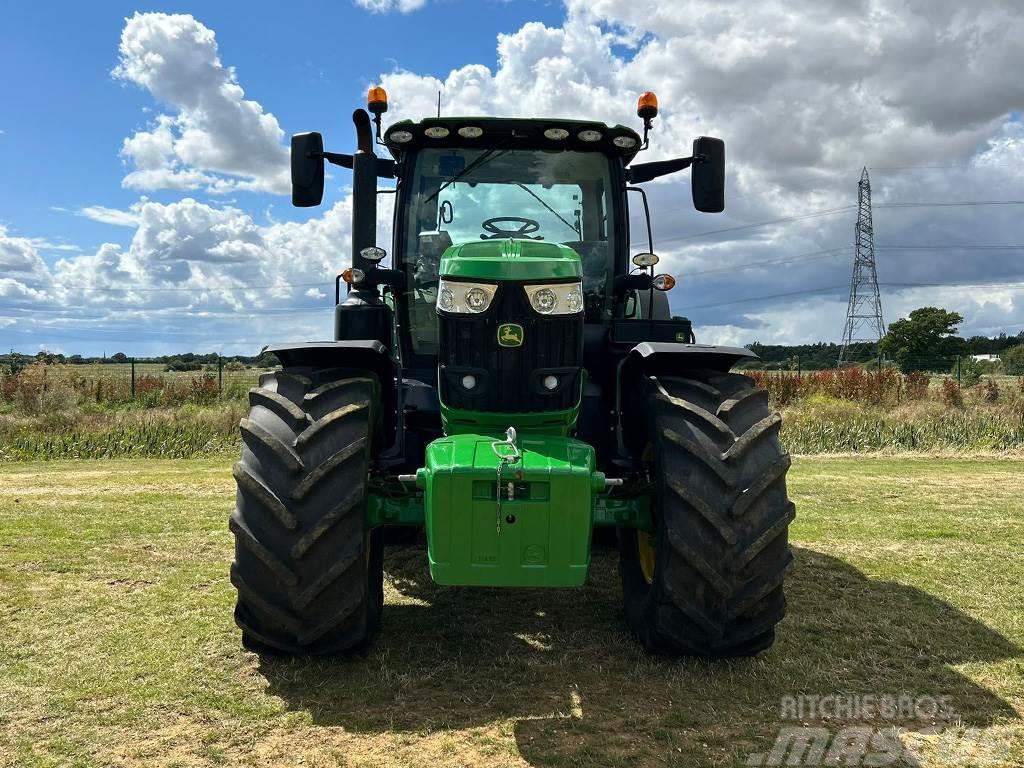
117	646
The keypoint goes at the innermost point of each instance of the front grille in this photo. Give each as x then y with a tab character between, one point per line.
509	378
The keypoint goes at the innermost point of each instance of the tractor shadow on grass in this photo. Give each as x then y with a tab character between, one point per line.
560	667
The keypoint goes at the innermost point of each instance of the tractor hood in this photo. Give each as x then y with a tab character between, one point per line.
523	260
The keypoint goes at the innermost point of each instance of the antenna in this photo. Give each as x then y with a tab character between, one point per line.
439	103
864	322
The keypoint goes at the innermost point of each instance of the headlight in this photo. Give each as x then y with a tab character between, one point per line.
556	299
464	298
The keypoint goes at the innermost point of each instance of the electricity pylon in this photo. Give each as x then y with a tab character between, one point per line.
864	322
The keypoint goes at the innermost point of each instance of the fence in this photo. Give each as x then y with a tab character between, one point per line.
884	384
147	384
964	368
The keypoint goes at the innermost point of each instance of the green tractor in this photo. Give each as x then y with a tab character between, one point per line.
511	383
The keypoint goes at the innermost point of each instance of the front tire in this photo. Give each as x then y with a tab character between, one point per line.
309	574
710	580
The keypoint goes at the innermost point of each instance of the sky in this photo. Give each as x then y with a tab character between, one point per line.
144	204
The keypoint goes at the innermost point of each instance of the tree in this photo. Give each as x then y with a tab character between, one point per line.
926	341
1013	360
970	372
46	357
119	357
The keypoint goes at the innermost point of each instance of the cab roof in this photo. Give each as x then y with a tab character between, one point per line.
514	133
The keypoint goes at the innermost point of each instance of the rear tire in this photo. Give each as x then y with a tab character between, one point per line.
713	583
309	575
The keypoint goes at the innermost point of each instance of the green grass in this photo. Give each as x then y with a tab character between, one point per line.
814	426
183	432
821	424
117	646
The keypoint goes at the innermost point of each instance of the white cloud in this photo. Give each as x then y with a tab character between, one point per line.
804	93
215	139
24	277
115	216
20	259
387	6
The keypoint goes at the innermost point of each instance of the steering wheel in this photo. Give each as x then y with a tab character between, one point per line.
526	228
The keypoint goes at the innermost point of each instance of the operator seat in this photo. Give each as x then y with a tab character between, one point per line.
596	273
426	267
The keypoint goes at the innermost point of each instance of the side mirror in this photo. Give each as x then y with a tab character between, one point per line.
707	175
307	169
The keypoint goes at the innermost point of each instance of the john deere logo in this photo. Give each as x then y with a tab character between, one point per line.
510	335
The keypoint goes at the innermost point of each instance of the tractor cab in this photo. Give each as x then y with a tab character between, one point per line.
487	179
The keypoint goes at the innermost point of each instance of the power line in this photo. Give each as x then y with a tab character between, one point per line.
239	287
783	220
951	204
833	211
160	314
768	297
1019	282
829	253
949	247
799	258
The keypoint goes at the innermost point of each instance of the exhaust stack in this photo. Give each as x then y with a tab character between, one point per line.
364	206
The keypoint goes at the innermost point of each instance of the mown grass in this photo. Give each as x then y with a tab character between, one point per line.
117	646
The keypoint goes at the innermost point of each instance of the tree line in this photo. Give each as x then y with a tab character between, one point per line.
187	361
926	340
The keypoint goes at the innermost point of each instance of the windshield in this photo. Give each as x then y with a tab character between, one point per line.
467	195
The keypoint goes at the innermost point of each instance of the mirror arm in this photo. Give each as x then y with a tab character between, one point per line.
647	171
334	158
635	282
386	169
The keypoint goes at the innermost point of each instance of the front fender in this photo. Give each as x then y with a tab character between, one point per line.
656	357
367	355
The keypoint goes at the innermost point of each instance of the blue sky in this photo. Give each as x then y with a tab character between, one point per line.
309	65
144	199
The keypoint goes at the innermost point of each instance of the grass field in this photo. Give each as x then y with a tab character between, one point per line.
117	646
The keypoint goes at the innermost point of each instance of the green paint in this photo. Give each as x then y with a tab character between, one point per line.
456	421
539	538
510	335
460	422
494	260
394	510
609	511
634	512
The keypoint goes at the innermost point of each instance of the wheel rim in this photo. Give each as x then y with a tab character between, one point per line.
646	554
645	549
